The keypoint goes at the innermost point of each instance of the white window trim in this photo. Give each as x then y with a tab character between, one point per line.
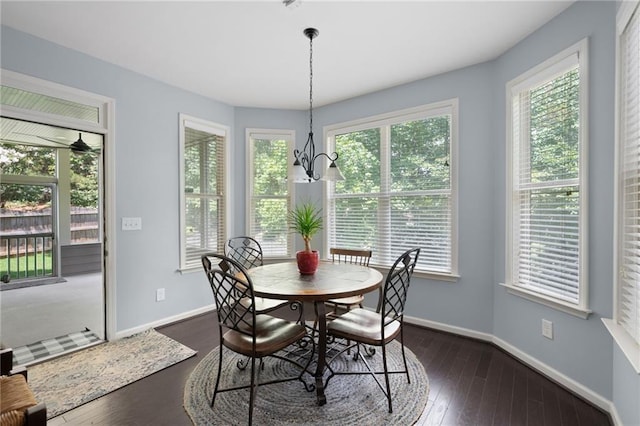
35	85
290	136
546	69
625	342
449	106
213	128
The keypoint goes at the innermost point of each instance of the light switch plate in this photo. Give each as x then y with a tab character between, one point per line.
160	295
131	223
547	329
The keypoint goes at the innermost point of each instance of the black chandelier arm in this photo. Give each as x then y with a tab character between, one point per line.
308	163
332	157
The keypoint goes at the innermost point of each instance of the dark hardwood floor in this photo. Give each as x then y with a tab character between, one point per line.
471	383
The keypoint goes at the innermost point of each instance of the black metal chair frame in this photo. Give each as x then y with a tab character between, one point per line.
236	319
247	251
390	308
356	257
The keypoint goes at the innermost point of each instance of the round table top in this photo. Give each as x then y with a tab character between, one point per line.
331	281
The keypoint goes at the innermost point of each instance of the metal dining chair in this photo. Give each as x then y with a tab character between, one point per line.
247	252
381	327
358	257
245	331
343	255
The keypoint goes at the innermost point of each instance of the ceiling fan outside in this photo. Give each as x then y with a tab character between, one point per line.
78	147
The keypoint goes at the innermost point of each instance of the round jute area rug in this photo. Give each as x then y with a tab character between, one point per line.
351	399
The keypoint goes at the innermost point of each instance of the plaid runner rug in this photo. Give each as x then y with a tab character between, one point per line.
34	351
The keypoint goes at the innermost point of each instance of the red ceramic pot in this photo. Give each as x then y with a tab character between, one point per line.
307	261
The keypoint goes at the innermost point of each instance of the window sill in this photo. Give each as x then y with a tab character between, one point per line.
384	270
436	276
547	301
630	348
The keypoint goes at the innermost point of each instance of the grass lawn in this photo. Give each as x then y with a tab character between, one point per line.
32	265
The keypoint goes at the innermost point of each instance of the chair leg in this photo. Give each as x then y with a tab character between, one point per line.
404	358
253	388
386	376
215	389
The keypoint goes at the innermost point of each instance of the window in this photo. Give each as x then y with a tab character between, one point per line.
546	218
269	193
203	161
625	327
400	187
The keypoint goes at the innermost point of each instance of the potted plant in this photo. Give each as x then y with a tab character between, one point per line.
306	220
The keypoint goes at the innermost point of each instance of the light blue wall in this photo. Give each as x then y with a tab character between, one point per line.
626	389
581	349
467	303
146	146
147	186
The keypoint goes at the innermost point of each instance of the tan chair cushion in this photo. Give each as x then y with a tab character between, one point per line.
272	335
348	301
363	326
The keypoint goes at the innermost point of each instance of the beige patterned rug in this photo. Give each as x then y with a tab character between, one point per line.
72	380
351	400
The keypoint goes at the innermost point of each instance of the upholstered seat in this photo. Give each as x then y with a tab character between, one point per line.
272	334
366	325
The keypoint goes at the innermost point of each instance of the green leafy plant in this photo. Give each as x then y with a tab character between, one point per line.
306	220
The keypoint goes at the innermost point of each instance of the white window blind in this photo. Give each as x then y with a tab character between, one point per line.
399	190
628	257
270	193
204	203
547	188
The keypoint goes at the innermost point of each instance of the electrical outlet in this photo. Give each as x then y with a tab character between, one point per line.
131	223
547	329
160	295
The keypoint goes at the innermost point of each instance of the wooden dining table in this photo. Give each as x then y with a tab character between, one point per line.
332	280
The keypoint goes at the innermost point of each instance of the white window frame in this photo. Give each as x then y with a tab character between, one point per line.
448	107
271	134
187	121
629	345
539	74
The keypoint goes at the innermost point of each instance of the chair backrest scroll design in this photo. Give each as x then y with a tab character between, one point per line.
396	285
244	250
233	296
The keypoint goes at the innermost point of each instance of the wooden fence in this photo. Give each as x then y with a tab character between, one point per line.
26	240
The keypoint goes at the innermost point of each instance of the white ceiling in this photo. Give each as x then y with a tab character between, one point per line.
254	54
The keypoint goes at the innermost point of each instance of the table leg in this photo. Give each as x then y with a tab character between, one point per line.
322	349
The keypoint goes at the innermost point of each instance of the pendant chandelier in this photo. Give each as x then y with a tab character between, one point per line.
304	164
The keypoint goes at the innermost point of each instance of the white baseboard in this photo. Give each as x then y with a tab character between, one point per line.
184	315
579	389
449	328
615	417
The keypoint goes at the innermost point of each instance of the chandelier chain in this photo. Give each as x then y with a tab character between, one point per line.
311	84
